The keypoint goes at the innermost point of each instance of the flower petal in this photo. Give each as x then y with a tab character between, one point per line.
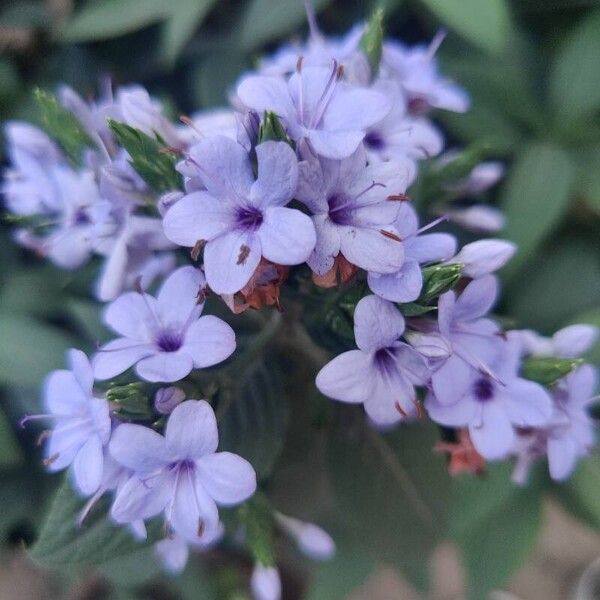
192	430
165	366
403	286
459	414
132	315
527	403
377	323
178	296
287	236
371	250
277	175
431	247
88	465
209	341
335	144
63	394
348	377
356	108
117	356
140	499
493	436
476	299
228	478
562	457
266	93
327	246
452	380
138	448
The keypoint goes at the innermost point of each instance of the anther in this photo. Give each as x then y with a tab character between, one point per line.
195	252
390	235
243	255
399	198
51	459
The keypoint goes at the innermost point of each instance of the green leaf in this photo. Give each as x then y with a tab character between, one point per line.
372	41
29	349
575	77
535	198
253	415
485	23
267	20
438	279
149	157
62	126
105	19
257	517
271	129
412	309
62	545
495	525
180	27
382	486
549	370
10	450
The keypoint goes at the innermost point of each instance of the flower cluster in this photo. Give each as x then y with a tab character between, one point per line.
311	169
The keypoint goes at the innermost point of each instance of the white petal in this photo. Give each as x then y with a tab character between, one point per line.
228	478
132	315
377	323
527	403
88	464
403	286
178	296
138	448
371	250
277	175
209	341
192	430
165	367
117	356
139	499
348	377
493	436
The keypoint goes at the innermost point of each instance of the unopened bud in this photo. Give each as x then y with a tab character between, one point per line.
265	583
548	370
312	540
271	129
484	256
429	345
574	340
438	279
131	400
480	218
166	399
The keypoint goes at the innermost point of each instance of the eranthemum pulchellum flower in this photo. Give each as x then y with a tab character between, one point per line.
180	474
382	373
318	107
239	219
354	207
165	337
80	423
405	284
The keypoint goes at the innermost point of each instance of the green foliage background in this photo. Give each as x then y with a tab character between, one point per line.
531	68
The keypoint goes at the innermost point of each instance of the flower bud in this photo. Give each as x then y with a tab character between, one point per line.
312	540
438	279
574	340
429	345
484	257
547	370
480	218
166	399
265	583
482	177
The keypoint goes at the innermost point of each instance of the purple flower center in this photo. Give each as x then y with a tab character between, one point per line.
418	106
169	341
374	140
340	208
385	361
249	218
483	389
81	217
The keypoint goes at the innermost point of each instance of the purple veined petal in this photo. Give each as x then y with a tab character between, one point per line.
224	167
476	299
371	250
346	172
192	430
574	340
411	364
403	286
334	144
446	303
349	377
493	435
459	414
209	341
377	214
430	247
138	448
117	356
227	478
287	236
526	403
356	108
194	511
582	384
392	400
173	553
311	188
377	323
562	457
266	93
230	260
166	367
327	246
393	174
63	394
307	90
178	296
132	315
277	175
407	221
141	498
198	216
112	278
88	465
452	380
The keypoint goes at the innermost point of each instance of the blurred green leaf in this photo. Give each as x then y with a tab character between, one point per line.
64	546
133	569
575	76
267	20
149	157
535	198
485	23
87	315
214	76
254	422
25	13
10	450
29	349
383	486
105	19
548	370
181	25
592	317
588	176
372	40
495	525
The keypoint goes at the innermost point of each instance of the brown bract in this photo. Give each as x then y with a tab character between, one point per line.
463	457
340	274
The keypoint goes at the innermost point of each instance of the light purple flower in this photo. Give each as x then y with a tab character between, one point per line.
265	583
491	407
483	257
416	70
240	219
482	177
165	337
352	212
382	373
180	473
166	399
81	423
405	284
317	106
479	217
569	342
312	540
